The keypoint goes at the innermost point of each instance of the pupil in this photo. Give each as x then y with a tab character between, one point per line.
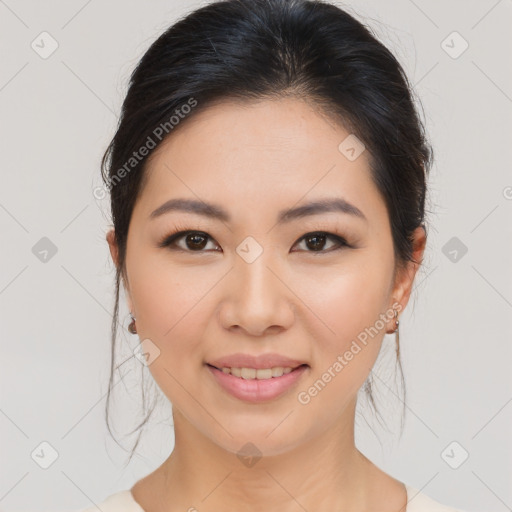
195	244
317	246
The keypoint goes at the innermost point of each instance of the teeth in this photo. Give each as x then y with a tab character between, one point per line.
260	373
248	373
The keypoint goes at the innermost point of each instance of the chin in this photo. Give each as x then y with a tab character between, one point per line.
256	443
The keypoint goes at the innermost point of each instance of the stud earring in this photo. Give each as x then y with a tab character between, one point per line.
132	327
396	320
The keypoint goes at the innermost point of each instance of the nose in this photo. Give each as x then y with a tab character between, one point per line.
257	299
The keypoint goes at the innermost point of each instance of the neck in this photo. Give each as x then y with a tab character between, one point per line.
327	472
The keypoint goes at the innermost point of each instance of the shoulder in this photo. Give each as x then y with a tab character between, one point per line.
420	502
122	501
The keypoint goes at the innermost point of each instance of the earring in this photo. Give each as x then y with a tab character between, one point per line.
131	327
397	336
396	320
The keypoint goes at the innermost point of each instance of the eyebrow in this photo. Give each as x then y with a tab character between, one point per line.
214	211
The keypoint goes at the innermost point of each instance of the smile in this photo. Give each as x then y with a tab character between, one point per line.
257	385
257	373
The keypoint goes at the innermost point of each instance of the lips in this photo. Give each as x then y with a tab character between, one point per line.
262	361
256	390
257	378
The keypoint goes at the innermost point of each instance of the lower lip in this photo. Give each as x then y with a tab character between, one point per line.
257	390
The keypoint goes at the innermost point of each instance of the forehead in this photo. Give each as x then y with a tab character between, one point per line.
277	131
260	155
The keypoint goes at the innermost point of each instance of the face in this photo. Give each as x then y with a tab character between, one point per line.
311	289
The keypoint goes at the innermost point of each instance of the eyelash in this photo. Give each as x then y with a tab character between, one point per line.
171	239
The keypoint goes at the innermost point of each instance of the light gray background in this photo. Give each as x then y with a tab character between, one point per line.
57	115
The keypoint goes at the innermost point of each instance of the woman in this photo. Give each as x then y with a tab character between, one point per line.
268	181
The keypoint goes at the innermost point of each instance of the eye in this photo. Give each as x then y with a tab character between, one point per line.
197	241
193	241
317	241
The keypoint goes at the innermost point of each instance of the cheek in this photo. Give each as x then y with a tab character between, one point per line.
160	300
348	296
159	292
171	307
169	302
348	303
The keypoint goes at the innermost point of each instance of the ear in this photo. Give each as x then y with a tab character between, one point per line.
112	244
405	276
114	253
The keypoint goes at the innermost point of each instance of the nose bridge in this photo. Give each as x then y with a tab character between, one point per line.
258	282
259	298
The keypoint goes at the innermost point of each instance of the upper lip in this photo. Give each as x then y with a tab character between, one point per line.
261	361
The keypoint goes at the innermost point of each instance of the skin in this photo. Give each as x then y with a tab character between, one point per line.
255	160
